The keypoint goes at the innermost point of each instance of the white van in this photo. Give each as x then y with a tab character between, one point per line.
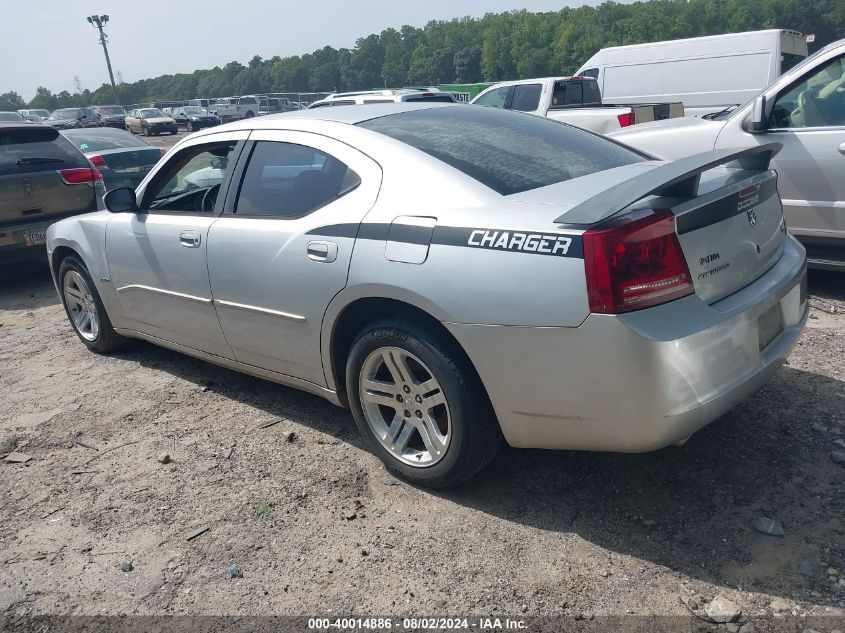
707	74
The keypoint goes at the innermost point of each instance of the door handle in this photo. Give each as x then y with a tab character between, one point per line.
320	251
842	148
190	239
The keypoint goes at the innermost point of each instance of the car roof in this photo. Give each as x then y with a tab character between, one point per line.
350	114
22	125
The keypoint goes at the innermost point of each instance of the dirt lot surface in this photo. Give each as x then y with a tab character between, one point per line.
95	524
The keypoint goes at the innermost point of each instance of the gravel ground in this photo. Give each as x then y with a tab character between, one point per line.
96	524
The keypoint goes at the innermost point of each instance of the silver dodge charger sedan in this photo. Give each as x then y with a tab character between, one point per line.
456	276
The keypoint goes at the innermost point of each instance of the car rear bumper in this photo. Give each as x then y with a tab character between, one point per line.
644	380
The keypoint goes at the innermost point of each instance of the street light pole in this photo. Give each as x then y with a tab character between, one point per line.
99	21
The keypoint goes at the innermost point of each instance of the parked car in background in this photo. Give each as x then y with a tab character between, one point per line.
804	110
194	118
560	291
150	121
67	118
706	74
111	115
42	115
235	108
401	95
122	158
274	105
205	104
573	100
43	178
12	116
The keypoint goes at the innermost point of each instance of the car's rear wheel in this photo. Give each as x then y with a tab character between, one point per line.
146	130
85	310
420	405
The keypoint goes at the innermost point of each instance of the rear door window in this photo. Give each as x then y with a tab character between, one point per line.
36	149
526	97
287	180
495	98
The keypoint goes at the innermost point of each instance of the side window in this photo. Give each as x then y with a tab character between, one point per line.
286	180
592	73
526	98
495	98
817	100
190	181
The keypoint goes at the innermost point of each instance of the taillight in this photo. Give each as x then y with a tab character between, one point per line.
626	119
80	175
635	261
99	162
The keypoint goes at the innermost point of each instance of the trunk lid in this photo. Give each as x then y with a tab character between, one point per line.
132	159
731	234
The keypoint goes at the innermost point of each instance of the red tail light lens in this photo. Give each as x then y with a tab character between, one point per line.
634	262
626	119
80	175
99	162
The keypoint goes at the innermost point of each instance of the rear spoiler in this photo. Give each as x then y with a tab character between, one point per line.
678	179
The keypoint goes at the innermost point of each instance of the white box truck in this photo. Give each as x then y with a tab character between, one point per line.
706	74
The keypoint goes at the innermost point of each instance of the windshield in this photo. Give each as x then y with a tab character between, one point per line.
102	138
67	113
11	116
194	110
112	109
506	151
151	113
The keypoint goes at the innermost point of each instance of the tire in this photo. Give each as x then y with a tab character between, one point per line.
189	127
146	130
174	133
437	446
249	114
80	297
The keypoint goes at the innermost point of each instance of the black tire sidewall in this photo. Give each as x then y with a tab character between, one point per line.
455	466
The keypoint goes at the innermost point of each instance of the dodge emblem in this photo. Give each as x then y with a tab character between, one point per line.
752	217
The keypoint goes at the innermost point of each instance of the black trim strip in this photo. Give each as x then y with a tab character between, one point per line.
532	242
723	209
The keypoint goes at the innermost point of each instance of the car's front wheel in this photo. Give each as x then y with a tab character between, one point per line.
419	404
85	310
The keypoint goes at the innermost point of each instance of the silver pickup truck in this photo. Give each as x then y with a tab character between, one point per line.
573	100
804	110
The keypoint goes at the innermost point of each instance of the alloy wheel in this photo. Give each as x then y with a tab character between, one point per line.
81	306
405	406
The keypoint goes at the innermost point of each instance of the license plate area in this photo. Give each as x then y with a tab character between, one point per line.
35	237
769	325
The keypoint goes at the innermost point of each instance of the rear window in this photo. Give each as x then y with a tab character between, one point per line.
36	149
575	92
101	139
507	151
435	98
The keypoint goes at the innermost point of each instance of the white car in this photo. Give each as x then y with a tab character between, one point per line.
404	95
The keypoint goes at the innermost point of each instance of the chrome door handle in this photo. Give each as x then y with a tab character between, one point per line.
320	251
190	239
842	148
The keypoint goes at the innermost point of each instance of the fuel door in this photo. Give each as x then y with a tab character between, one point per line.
409	238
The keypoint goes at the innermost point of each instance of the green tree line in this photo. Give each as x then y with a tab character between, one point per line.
511	45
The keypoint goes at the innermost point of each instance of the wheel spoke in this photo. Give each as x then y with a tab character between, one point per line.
84	321
434	399
400	441
393	367
74	294
383	399
427	386
431	436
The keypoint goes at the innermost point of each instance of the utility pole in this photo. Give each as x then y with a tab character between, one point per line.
99	21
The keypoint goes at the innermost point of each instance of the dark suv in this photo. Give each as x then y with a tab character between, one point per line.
110	115
43	178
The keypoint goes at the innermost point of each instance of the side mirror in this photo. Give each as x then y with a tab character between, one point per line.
757	122
121	200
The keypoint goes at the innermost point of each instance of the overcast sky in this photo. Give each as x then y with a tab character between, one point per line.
46	43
